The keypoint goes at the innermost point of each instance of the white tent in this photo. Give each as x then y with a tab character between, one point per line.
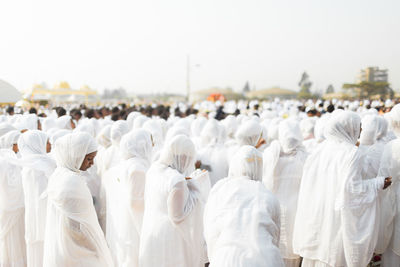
8	93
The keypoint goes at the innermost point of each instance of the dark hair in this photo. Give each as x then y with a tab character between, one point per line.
32	111
61	111
89	113
330	108
10	110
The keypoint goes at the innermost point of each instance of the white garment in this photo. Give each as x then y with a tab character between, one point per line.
172	226
390	259
242	218
389	238
37	168
337	211
12	223
241	225
73	235
282	176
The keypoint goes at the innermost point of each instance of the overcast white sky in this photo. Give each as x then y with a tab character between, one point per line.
142	45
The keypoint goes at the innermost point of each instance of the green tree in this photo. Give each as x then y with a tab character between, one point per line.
330	89
305	85
368	89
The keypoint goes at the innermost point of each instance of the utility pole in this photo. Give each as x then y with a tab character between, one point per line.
187	78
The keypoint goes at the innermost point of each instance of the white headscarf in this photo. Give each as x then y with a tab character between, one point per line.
290	136
32	142
343	127
249	133
394	119
64	122
247	162
71	149
179	153
118	129
369	125
104	137
9	139
136	144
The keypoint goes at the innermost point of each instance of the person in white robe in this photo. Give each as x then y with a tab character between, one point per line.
172	230
125	197
283	168
12	223
73	235
337	210
391	205
241	217
212	154
37	168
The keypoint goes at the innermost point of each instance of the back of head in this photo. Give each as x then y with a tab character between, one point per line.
247	162
32	142
210	133
249	133
179	153
118	129
394	119
71	149
136	143
369	125
343	127
290	136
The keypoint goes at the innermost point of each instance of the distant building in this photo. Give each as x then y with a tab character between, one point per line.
373	74
271	93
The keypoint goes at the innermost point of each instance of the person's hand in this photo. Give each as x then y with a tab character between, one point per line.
261	142
388	182
188	178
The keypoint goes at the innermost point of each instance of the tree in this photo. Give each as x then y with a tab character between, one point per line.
368	89
305	85
246	88
330	89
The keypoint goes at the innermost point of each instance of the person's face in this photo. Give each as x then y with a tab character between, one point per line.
48	146
88	161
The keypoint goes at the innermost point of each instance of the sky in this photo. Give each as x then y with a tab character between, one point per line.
142	45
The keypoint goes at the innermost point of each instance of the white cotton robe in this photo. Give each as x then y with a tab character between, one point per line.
12	223
125	197
73	235
283	168
37	168
337	210
172	223
241	218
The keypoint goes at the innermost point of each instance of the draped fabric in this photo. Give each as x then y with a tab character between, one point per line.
73	236
242	218
339	228
172	226
12	231
36	169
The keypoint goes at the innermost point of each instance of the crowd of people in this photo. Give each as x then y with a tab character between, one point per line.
235	184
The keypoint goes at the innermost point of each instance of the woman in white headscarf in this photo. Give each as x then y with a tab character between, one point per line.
337	210
241	218
390	224
10	140
37	168
283	168
65	122
172	227
125	197
111	156
73	235
12	223
212	154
